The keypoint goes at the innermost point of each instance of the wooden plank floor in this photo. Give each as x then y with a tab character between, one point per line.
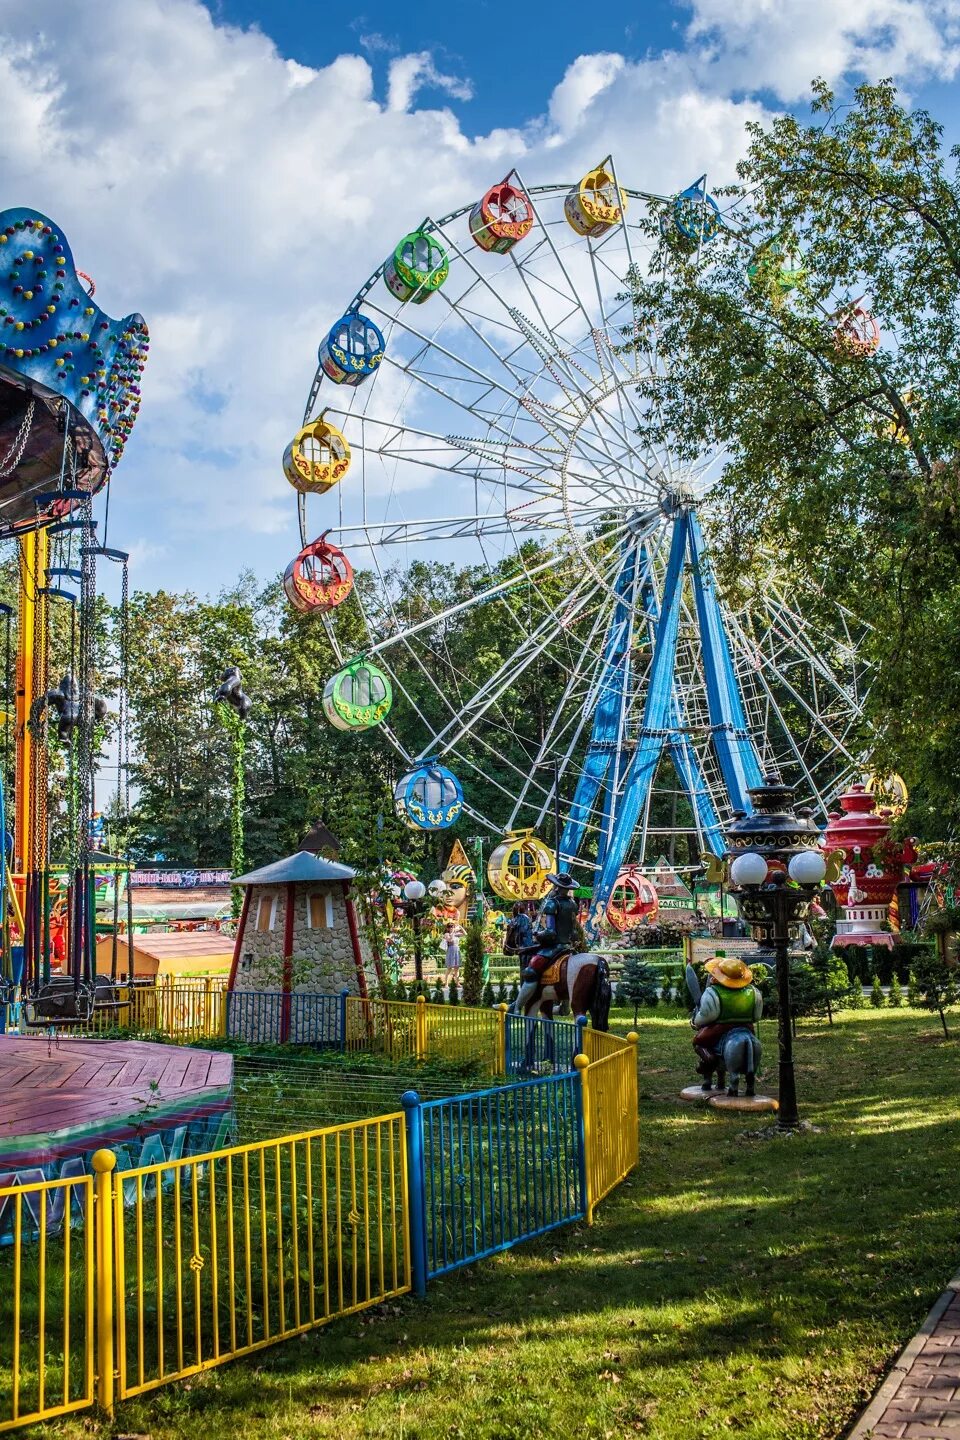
55	1096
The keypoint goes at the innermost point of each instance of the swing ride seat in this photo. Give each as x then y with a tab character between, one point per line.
62	1002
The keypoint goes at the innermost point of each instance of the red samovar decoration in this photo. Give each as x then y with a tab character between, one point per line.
873	867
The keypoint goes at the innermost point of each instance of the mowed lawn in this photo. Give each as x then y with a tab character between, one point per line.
733	1286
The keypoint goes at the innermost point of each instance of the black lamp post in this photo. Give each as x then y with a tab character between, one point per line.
414	906
777	867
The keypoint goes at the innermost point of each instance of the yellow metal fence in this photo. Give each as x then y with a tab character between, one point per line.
226	1253
172	1268
46	1300
610	1112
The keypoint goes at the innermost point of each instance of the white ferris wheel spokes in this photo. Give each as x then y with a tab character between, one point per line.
490	402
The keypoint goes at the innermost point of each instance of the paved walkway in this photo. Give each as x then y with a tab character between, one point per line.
920	1398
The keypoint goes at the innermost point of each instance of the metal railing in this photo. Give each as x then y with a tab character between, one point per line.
46	1300
271	1018
498	1167
114	1284
610	1116
226	1253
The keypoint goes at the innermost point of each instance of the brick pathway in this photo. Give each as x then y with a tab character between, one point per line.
920	1398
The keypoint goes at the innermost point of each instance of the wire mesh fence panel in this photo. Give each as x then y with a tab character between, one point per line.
225	1254
534	1044
500	1166
46	1299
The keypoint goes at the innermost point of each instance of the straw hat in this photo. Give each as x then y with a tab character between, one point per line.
728	970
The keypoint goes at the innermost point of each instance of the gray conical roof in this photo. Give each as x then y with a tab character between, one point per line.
300	867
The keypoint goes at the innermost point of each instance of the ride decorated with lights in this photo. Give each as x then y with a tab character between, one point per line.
70	392
503	437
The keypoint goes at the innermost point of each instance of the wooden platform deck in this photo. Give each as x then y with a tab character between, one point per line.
64	1098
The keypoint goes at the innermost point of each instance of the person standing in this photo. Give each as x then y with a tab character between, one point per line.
451	945
519	935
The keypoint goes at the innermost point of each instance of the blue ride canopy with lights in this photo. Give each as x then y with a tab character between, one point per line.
66	369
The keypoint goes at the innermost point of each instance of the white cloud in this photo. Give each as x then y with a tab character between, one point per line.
586	78
238	198
411	73
768	44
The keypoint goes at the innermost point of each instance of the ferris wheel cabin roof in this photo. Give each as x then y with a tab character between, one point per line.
297	869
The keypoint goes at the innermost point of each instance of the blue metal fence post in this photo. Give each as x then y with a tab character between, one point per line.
581	1024
343	1017
416	1191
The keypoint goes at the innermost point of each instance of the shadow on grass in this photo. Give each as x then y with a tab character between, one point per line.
731	1286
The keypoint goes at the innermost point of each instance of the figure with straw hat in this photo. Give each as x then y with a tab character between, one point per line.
724	1017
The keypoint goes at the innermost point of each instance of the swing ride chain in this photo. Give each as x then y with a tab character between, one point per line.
123	728
14	455
88	592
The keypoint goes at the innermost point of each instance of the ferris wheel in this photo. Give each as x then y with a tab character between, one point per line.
478	404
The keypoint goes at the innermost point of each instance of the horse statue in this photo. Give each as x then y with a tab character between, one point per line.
579	983
723	1020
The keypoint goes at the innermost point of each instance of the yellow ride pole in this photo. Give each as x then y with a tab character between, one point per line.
30	784
30	790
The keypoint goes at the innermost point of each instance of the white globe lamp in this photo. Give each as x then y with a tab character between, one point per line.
807	868
749	869
414	890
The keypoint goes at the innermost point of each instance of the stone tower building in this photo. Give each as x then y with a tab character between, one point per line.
297	937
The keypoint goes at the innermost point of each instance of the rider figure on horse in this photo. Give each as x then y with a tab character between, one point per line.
554	938
731	1000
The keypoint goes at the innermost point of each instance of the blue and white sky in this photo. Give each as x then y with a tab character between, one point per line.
234	170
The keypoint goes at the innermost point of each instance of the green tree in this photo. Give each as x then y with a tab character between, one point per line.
639	984
936	986
840	460
832	981
895	998
877	997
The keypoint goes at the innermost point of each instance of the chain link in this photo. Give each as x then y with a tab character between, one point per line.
14	455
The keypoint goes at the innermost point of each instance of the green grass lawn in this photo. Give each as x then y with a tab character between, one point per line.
733	1286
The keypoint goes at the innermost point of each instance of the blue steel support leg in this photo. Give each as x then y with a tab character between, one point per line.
736	753
657	715
416	1191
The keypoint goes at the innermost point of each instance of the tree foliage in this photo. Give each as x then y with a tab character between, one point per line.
842	463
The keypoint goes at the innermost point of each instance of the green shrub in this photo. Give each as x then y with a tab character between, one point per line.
936	984
913	992
502	993
438	996
400	993
453	995
488	997
514	991
473	958
895	998
638	985
877	997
